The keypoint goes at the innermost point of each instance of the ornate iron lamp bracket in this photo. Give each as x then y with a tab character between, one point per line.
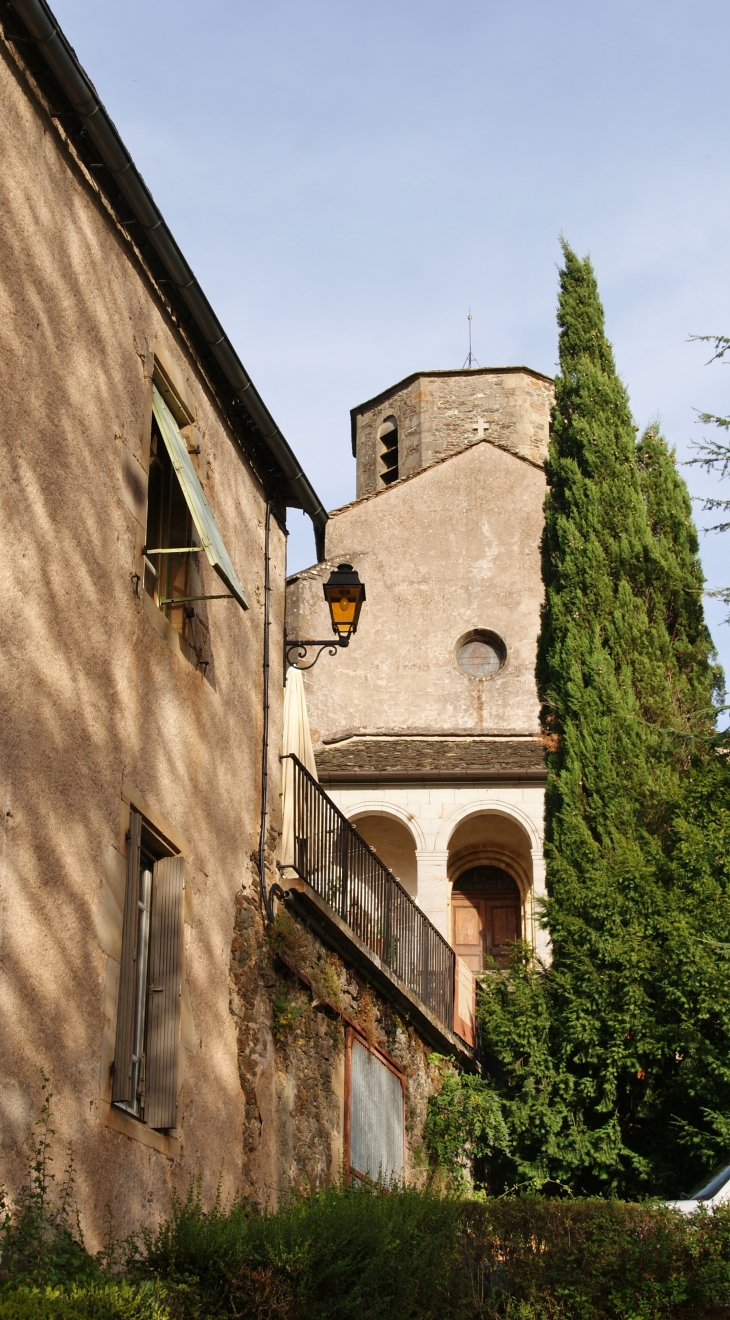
300	647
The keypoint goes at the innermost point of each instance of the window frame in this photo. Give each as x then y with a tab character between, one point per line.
210	540
165	914
353	1036
158	570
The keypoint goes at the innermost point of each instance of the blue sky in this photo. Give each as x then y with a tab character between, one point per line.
347	179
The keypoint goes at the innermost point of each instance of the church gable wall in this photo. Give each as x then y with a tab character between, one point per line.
453	550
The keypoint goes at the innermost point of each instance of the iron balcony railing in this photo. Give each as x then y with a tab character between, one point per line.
332	857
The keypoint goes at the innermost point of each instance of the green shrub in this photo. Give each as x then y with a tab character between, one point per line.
95	1301
373	1254
464	1123
367	1253
537	1257
338	1252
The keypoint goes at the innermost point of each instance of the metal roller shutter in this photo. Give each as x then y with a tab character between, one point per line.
376	1117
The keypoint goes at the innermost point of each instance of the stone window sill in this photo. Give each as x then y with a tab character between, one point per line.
131	1127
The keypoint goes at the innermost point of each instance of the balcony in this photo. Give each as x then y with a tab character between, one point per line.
359	907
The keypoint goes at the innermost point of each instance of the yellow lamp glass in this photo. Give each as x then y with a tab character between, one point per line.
344	593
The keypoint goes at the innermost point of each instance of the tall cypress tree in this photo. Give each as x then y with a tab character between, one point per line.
692	1085
602	1039
676	581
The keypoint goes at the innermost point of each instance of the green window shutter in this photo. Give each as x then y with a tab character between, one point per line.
122	1078
200	510
164	990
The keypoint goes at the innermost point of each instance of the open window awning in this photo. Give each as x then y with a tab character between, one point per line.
200	510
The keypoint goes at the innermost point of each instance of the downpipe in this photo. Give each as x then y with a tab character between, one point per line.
267	895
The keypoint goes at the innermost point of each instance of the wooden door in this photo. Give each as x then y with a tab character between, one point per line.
503	925
484	925
468	919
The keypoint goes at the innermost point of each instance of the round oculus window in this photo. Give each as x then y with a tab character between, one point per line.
481	655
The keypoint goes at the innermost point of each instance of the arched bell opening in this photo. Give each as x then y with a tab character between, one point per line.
388	469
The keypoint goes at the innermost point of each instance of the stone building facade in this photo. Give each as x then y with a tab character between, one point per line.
438	413
143	527
426	729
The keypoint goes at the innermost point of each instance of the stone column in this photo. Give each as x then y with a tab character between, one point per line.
539	937
433	888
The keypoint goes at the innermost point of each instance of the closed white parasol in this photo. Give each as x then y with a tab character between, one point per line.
297	740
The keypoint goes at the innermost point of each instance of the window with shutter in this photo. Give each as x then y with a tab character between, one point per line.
176	504
150	982
123	1089
375	1126
164	991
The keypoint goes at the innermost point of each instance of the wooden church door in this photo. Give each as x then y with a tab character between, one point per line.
486	913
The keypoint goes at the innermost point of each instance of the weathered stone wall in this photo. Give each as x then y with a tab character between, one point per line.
405	406
440	413
292	1000
103	708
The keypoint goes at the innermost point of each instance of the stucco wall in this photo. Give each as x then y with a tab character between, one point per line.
99	703
453	549
440	413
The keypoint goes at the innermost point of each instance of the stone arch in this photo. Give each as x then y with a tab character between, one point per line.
490	834
487	854
391	835
380	808
488	806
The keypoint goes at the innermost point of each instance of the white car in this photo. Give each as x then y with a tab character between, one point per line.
709	1193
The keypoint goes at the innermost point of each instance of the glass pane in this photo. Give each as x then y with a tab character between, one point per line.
168	525
140	1007
479	659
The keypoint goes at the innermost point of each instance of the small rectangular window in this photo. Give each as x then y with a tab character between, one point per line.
170	543
180	526
150	980
375	1115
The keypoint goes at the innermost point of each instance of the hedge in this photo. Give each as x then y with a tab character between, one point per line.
345	1253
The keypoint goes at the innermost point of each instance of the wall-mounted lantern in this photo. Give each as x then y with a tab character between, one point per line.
344	593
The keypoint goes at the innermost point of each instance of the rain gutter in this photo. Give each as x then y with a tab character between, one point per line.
61	60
